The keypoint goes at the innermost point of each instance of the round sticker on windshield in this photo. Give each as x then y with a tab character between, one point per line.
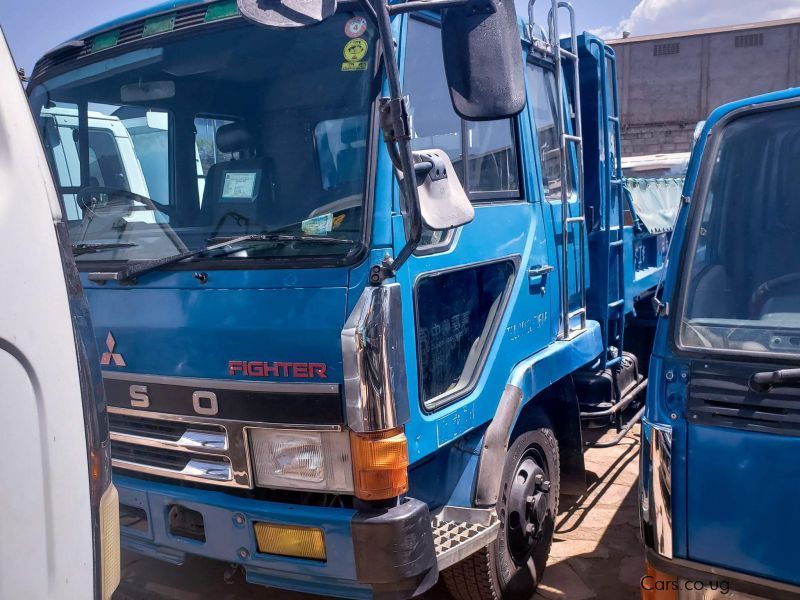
355	50
355	27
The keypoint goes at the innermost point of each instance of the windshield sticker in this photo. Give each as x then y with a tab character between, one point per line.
320	225
354	51
355	27
239	185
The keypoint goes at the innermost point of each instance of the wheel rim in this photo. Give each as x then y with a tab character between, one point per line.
528	514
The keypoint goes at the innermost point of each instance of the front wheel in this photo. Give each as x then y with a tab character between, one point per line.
511	567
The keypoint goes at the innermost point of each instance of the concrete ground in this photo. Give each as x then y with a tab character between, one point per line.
596	552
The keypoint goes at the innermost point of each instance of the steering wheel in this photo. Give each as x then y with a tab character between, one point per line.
99	200
763	292
90	199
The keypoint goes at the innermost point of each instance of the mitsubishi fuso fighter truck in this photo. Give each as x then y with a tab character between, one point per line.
720	476
357	352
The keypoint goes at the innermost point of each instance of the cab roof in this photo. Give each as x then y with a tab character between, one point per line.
156	9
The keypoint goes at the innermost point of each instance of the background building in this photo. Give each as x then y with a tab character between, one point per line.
669	82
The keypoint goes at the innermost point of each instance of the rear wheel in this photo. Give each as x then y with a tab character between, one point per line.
511	567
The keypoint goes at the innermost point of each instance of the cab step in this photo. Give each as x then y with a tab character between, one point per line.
459	532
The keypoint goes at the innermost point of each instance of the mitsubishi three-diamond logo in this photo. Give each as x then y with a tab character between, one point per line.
111	355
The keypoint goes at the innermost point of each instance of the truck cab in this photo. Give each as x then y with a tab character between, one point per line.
720	431
359	352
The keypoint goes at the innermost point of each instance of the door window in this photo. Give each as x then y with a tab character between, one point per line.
742	281
492	169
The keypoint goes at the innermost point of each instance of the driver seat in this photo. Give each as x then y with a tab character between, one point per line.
238	192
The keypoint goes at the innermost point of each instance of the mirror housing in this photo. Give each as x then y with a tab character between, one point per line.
443	204
285	14
483	59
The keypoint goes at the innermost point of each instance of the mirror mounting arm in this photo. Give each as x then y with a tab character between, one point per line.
397	135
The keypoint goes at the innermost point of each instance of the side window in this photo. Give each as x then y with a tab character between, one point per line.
492	167
456	327
206	152
543	100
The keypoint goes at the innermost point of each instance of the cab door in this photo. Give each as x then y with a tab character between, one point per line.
59	521
476	300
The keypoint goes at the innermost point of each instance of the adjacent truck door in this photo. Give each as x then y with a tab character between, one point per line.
736	322
59	517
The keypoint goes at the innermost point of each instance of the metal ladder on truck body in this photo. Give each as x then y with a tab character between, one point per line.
613	321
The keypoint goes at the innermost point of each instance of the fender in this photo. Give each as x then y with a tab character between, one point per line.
527	380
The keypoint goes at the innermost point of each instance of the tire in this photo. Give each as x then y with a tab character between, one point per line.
499	571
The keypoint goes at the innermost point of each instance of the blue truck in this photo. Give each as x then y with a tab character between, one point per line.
719	469
384	276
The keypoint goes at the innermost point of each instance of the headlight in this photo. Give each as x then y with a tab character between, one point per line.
307	460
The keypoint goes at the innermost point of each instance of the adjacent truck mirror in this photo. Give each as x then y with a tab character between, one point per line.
483	59
286	13
443	204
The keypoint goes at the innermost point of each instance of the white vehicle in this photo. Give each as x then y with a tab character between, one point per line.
59	512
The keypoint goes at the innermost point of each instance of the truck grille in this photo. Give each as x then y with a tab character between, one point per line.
719	394
179	448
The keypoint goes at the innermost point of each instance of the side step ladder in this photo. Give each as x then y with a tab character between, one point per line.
459	532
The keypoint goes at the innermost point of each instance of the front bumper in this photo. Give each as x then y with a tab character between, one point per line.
387	553
719	583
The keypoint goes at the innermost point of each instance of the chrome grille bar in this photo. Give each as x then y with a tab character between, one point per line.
200	454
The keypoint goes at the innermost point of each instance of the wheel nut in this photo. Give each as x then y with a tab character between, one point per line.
545	486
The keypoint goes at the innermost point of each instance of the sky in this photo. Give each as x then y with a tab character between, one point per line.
32	27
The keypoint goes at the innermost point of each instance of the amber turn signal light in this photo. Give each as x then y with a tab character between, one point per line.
657	585
380	464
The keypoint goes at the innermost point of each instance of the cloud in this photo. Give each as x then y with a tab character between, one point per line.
666	16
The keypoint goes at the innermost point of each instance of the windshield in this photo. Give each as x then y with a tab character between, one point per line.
235	130
742	288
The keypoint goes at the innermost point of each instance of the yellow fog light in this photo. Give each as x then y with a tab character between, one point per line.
290	540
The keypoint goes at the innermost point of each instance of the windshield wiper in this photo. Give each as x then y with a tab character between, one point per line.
763	381
78	249
131	272
281	237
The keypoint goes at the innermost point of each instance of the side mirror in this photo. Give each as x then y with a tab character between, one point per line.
443	204
483	59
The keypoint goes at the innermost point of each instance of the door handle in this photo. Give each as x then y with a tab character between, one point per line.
540	270
536	275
